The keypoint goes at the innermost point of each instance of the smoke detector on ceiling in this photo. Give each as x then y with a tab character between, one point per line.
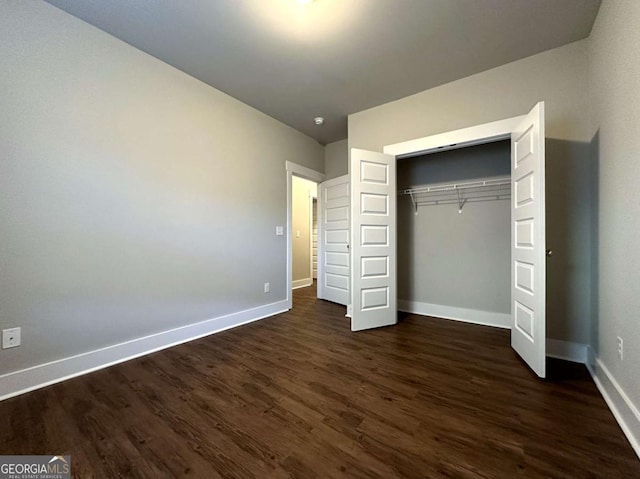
318	120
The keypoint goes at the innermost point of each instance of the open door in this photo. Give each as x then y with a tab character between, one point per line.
528	332
333	242
373	233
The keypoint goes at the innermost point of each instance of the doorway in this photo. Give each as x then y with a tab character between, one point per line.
454	237
304	193
302	172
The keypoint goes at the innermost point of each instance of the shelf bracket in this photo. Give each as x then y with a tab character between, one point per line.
461	201
415	204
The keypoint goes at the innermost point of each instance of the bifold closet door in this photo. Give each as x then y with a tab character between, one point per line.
528	298
333	231
373	245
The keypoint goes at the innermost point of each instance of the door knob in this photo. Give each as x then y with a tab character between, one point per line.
549	252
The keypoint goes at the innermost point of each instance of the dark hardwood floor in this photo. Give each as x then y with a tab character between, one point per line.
299	395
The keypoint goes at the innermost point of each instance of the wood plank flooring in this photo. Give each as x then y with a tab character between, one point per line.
299	395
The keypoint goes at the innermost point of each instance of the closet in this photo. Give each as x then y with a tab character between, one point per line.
463	260
454	234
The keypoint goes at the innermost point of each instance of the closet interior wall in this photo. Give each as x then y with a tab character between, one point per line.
446	258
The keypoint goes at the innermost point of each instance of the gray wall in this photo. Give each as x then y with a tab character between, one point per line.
336	156
445	258
614	76
559	77
133	198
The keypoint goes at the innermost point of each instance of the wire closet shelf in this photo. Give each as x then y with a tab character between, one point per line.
491	189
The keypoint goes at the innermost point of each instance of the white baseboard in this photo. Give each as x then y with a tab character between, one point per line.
301	283
591	359
623	409
575	352
486	318
25	380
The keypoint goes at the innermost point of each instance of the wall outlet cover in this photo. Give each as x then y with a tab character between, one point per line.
10	338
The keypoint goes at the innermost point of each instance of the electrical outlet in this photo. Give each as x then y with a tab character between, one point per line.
10	338
620	348
267	287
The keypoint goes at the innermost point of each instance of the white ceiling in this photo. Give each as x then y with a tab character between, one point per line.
335	57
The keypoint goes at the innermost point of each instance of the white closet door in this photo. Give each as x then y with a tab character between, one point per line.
333	261
373	212
528	333
314	238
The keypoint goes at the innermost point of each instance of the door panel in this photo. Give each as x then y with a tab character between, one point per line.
314	238
528	273
373	211
333	246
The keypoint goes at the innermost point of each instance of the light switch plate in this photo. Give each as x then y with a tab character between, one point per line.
279	230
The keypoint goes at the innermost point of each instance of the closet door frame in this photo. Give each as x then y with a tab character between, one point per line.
452	140
475	135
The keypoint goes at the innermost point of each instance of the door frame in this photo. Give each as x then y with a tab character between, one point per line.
451	140
294	169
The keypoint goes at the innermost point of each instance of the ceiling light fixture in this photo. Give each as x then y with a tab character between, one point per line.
318	120
313	22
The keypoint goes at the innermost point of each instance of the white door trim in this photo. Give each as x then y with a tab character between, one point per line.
308	174
475	135
451	140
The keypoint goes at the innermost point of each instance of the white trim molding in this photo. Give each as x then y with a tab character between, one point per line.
301	283
623	409
450	140
575	352
35	377
309	174
475	316
304	172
